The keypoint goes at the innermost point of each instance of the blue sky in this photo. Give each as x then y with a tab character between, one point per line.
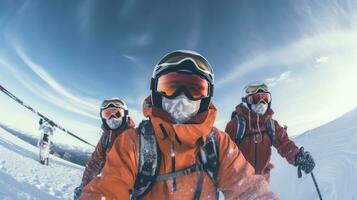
64	58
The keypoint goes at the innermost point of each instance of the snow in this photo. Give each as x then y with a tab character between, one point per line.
23	177
333	146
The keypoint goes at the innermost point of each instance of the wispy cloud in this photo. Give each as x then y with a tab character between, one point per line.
43	93
60	96
285	76
84	103
85	13
134	60
322	59
302	50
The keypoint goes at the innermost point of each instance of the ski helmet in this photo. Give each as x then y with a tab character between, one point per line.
185	63
249	92
109	108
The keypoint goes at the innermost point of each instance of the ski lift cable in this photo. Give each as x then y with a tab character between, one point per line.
41	115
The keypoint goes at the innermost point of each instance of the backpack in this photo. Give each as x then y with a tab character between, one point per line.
105	145
150	160
242	129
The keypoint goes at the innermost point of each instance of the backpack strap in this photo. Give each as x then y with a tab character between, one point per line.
209	156
271	130
105	144
241	128
149	160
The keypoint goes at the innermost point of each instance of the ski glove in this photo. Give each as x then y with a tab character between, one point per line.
77	192
304	162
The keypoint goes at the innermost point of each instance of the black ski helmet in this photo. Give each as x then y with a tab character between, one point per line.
187	61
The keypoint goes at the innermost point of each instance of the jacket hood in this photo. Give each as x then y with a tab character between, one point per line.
186	135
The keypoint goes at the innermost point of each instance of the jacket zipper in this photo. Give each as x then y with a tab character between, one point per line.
173	164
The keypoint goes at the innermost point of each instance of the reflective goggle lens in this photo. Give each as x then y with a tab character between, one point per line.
197	86
202	64
115	102
112	111
256	88
256	98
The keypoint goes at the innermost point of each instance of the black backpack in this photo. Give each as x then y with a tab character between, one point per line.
242	128
150	160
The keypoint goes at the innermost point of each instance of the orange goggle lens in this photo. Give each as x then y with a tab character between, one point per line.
258	97
112	111
196	86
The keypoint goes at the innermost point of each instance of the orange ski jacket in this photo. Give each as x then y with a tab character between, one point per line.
96	162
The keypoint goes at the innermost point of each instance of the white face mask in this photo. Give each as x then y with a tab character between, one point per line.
181	108
114	123
260	108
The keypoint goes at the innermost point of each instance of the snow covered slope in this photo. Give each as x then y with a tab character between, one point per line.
334	148
23	177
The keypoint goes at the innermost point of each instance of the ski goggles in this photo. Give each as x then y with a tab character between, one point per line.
109	112
113	103
258	97
255	88
200	64
173	84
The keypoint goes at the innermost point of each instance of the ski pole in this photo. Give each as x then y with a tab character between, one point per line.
39	114
316	186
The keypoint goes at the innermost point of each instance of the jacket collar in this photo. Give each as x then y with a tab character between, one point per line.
186	134
253	118
130	124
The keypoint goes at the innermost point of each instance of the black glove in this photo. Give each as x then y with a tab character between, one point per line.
304	162
77	192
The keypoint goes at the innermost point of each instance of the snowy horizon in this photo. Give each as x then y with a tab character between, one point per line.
64	60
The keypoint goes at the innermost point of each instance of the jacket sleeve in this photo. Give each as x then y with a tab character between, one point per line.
231	129
119	172
95	164
236	177
286	147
